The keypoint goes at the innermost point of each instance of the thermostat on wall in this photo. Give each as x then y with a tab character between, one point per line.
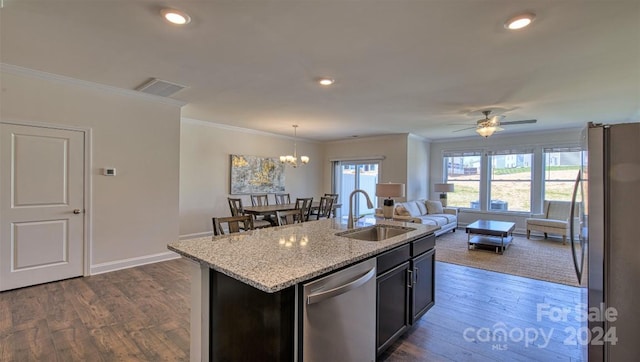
109	171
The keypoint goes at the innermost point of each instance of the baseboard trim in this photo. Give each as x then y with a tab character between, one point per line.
132	262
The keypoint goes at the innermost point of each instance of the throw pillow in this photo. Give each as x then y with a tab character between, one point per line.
412	207
422	206
434	207
401	211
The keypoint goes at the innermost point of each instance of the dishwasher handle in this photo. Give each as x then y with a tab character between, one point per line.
319	297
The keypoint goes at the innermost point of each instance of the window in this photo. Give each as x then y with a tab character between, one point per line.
561	165
510	181
463	170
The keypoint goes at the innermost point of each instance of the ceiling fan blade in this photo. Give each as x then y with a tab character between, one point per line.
524	121
464	129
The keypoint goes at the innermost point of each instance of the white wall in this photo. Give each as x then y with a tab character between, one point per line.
205	151
418	151
392	147
561	137
134	214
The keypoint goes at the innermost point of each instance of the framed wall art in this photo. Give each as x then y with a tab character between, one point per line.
254	174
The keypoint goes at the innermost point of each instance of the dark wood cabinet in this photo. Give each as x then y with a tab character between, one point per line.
405	288
392	313
422	299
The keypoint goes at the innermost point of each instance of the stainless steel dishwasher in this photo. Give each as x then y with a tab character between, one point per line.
339	315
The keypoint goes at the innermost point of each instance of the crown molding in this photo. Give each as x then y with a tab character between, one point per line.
240	129
26	72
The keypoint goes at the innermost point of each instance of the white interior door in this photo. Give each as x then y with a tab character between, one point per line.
41	205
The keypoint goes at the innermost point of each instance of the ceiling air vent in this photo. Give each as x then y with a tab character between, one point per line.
159	87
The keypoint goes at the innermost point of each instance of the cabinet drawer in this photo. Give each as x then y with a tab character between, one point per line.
423	244
392	258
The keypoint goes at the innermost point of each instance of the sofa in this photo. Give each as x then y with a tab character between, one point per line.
426	212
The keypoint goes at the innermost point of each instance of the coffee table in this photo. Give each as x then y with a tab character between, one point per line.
490	234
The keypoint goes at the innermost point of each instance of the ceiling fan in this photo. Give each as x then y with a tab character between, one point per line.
488	126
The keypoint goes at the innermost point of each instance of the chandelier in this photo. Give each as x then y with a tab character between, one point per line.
293	160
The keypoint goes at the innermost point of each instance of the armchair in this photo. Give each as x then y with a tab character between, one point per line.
554	220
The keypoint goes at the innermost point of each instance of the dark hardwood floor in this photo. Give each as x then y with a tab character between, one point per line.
137	314
142	314
475	303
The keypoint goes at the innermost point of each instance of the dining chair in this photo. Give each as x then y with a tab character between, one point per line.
233	224
324	209
287	217
235	205
335	201
260	200
304	204
282	199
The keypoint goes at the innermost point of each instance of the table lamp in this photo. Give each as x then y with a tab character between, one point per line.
389	190
443	189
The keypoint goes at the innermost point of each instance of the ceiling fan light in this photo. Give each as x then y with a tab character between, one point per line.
485	131
519	21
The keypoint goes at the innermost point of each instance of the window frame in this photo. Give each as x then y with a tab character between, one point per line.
467	153
491	156
569	181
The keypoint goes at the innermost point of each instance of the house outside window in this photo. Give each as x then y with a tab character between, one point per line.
561	165
463	169
511	180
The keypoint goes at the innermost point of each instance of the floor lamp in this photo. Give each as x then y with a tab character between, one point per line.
443	189
389	190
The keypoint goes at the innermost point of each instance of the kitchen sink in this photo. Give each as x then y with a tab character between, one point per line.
375	233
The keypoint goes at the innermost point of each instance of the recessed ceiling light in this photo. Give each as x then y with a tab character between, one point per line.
519	21
175	16
326	81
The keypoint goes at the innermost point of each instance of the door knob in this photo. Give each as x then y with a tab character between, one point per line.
76	211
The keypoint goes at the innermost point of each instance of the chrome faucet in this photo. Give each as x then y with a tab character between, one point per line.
369	205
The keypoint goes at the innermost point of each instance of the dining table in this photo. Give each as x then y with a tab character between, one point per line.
272	209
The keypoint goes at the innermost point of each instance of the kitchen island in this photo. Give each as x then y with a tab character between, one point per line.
245	286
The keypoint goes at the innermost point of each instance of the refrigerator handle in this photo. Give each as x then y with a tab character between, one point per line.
577	267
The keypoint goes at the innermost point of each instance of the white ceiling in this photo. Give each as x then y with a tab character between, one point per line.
402	66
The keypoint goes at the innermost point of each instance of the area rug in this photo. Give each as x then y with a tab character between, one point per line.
538	258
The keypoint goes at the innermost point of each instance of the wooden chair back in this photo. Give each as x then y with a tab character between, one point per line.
289	217
304	204
282	199
235	205
260	200
235	224
335	201
325	208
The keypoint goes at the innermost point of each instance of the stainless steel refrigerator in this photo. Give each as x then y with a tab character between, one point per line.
606	246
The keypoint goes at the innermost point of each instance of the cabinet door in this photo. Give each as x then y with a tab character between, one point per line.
392	305
423	293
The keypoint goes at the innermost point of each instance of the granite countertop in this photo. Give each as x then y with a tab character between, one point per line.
275	258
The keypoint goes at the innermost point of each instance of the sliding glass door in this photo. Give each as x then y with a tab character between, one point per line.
352	175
